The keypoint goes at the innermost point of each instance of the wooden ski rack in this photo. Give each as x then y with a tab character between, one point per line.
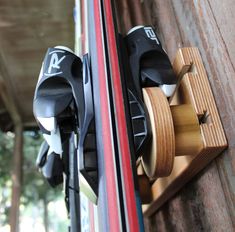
195	147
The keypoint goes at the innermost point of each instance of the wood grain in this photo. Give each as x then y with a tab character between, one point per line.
144	189
195	90
188	139
28	28
164	21
123	16
207	32
17	174
207	24
136	12
159	161
199	206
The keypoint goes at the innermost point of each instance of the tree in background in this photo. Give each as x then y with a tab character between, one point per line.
6	153
36	192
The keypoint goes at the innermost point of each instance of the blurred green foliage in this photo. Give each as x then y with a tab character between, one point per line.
6	153
35	189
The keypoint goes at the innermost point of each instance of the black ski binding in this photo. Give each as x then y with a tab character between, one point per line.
149	66
63	108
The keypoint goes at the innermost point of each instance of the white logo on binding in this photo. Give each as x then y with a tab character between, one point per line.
151	34
55	63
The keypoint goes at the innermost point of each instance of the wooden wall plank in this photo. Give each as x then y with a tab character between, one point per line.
199	27
198	23
131	13
223	13
163	19
123	14
195	208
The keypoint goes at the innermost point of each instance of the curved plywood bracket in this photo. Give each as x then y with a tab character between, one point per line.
194	89
159	161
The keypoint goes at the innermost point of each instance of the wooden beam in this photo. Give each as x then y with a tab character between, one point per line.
7	93
16	178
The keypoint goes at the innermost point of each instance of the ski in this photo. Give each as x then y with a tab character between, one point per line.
90	108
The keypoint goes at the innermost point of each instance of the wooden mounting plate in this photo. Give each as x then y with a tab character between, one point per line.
194	89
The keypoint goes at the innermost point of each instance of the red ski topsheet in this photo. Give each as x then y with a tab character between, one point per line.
130	200
103	49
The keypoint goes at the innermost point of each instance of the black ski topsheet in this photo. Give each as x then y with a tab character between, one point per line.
119	206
